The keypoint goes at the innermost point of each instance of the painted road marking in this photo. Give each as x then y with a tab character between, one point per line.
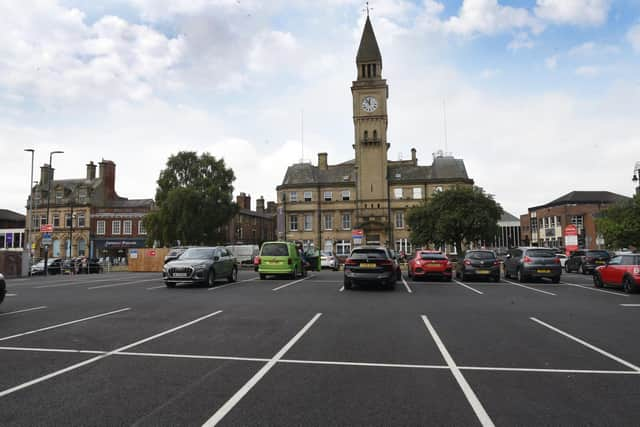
291	283
586	344
620	294
10	295
73	282
124	283
232	283
473	400
65	324
406	285
102	356
630	305
24	310
233	401
530	288
156	287
341	289
469	287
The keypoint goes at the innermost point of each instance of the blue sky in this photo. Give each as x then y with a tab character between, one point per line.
541	88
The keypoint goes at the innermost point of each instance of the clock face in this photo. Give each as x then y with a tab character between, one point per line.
369	104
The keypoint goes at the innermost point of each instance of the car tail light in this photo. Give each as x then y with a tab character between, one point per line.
526	259
449	264
257	260
349	261
557	260
636	270
496	262
385	262
289	261
467	262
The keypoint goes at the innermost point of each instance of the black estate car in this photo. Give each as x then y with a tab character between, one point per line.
585	261
201	265
371	264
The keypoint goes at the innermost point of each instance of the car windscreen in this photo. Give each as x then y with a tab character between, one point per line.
603	254
275	249
427	255
369	253
540	253
481	255
197	253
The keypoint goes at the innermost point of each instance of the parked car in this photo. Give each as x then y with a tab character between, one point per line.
174	253
586	260
527	263
479	264
621	271
563	259
429	264
3	288
54	266
371	264
90	265
201	265
329	260
280	258
244	253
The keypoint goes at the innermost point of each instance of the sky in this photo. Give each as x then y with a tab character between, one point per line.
542	97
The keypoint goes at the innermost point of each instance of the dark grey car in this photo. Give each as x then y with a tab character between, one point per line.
479	264
585	261
371	264
527	263
201	265
3	288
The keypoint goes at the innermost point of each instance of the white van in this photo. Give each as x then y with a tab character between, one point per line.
244	253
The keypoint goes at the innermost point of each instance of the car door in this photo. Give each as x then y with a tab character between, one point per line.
218	265
229	260
608	272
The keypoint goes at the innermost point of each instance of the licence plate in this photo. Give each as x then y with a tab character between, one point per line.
544	271
599	262
367	265
482	271
179	274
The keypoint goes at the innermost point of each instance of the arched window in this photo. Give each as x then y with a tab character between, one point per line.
56	248
363	71
82	247
375	134
375	74
366	135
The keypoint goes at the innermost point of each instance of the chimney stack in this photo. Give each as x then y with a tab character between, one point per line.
46	173
322	161
108	177
414	159
272	207
244	201
91	171
260	205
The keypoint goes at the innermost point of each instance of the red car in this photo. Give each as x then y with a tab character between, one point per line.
430	264
622	271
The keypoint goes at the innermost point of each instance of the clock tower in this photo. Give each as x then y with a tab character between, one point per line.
370	93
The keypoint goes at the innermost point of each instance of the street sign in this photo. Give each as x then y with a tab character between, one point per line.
46	238
46	228
570	239
133	254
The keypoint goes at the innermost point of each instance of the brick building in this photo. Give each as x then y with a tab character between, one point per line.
12	227
248	226
544	225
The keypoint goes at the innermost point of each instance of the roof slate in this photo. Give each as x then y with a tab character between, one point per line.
585	197
7	215
368	50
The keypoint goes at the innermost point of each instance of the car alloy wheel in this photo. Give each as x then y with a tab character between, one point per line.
521	276
597	281
566	268
629	286
211	278
347	283
233	277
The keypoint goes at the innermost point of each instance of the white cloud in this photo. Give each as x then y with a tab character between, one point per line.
489	17
588	71
274	51
521	41
592	49
551	62
633	36
489	73
575	12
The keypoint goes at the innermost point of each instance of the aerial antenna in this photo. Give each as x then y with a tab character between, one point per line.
444	115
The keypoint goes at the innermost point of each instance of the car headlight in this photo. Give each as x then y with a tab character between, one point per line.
200	266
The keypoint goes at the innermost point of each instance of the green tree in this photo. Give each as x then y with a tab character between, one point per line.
194	197
457	215
620	224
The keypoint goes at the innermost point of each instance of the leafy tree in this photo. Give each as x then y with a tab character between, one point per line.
457	215
620	224
194	197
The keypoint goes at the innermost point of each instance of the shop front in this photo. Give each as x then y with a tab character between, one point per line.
115	250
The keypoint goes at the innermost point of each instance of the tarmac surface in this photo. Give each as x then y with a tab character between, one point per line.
122	349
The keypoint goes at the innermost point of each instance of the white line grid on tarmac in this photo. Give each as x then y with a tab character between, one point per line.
292	283
469	287
590	288
530	288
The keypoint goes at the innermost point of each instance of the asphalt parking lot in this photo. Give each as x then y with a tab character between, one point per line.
122	349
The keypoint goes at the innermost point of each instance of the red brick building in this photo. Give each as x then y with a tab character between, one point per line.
251	227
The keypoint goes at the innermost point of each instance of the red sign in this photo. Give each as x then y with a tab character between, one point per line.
357	232
570	239
46	228
151	253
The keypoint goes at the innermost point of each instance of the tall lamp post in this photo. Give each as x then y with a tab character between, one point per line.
26	254
49	179
284	215
636	177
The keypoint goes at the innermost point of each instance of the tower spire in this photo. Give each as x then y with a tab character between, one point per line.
368	50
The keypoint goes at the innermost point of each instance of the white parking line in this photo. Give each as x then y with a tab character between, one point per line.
102	356
291	283
11	295
233	283
341	289
64	324
469	287
406	285
156	287
124	283
586	344
630	305
72	282
530	288
233	401
24	310
620	294
473	400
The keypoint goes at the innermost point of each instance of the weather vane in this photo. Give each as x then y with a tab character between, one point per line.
367	8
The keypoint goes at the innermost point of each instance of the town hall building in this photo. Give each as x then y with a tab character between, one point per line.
364	200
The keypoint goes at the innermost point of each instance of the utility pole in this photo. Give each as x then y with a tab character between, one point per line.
49	179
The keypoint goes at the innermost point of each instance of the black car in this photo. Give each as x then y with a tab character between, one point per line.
201	265
585	261
527	263
174	253
479	264
3	288
371	264
54	266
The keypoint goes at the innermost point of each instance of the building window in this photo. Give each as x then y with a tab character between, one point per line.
346	195
578	221
82	247
115	227
343	247
328	196
307	196
68	220
81	222
43	220
293	222
82	193
293	196
328	222
141	229
126	227
399	219
100	227
417	193
56	220
346	221
397	193
58	195
308	221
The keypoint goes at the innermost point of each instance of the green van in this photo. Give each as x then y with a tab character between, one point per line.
279	258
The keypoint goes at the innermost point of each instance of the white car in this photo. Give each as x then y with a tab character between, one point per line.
329	260
563	259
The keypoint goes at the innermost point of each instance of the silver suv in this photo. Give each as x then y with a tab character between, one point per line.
527	263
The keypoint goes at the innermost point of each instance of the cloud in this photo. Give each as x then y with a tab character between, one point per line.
633	37
489	73
574	12
588	71
551	62
489	17
521	41
592	49
274	51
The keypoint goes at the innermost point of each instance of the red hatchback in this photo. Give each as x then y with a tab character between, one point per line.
430	264
622	271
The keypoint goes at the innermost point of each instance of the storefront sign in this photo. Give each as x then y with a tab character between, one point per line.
46	228
570	239
151	253
133	254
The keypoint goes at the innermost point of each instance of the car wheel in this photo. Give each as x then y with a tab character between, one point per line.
581	269
294	275
263	276
233	277
170	285
629	286
347	283
449	278
566	268
521	276
496	278
506	273
555	279
463	277
398	275
211	278
597	281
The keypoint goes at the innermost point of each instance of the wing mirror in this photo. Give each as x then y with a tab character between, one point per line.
508	256
216	258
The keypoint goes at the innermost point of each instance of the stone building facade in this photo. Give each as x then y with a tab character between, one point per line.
251	226
364	200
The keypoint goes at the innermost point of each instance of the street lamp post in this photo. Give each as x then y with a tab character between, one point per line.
284	215
26	254
49	179
636	177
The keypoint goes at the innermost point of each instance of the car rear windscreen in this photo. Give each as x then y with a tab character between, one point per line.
368	253
275	249
427	255
481	255
540	253
603	254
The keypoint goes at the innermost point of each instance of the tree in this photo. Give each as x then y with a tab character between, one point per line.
620	224
194	197
457	215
